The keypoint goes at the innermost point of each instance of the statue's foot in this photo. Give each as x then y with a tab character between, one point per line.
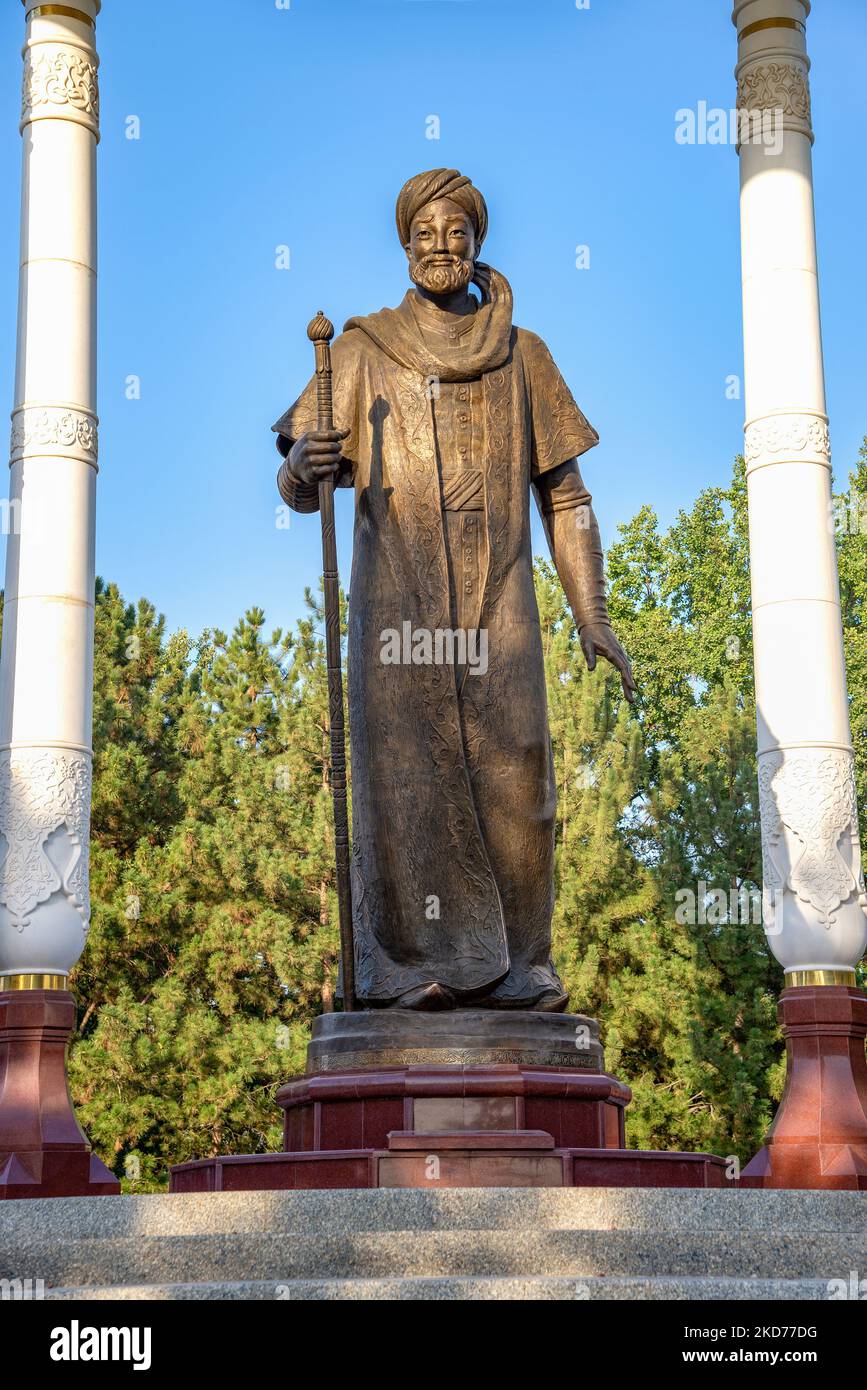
432	997
552	1002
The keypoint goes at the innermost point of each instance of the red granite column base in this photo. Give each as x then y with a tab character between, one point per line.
819	1136
452	1126
43	1152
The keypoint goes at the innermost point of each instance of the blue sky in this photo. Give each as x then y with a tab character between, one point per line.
263	126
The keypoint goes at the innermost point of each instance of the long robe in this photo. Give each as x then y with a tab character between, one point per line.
453	793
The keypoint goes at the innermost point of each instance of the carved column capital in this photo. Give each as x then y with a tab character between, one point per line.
60	81
777	82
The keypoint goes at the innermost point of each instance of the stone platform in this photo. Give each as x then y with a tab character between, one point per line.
470	1099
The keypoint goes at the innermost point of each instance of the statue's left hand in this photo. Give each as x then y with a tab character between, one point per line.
597	639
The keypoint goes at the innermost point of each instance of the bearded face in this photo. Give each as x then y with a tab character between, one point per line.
442	248
441	274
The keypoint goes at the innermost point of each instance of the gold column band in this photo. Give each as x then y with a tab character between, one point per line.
14	982
800	979
773	24
66	10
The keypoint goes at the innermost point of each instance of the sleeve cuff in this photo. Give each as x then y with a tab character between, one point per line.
301	497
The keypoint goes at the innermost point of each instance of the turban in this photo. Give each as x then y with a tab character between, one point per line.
440	183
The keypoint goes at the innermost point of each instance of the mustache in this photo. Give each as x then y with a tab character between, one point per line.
446	260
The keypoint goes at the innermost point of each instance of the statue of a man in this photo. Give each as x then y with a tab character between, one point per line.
447	417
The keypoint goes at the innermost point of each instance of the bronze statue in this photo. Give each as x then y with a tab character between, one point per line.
447	416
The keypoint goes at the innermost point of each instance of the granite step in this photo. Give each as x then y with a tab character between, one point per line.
427	1254
539	1288
452	1244
638	1209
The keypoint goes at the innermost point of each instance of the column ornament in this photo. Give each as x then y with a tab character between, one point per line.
67	11
43	790
790	435
761	25
60	82
777	82
54	430
810	840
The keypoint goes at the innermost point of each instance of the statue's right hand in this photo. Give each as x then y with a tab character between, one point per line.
316	456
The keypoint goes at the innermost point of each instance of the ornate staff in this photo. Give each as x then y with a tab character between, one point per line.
320	332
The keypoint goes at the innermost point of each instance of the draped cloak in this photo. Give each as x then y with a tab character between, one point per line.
453	794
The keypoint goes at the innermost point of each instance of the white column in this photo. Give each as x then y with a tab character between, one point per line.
46	669
814	887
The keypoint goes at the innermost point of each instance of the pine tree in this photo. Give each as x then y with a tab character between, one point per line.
681	603
850	522
213	942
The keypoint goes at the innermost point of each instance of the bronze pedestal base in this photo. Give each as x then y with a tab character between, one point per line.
460	1037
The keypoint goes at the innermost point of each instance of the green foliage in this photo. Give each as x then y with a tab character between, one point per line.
850	516
681	603
214	939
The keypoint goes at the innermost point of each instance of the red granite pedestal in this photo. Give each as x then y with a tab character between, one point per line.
819	1136
510	1125
43	1152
